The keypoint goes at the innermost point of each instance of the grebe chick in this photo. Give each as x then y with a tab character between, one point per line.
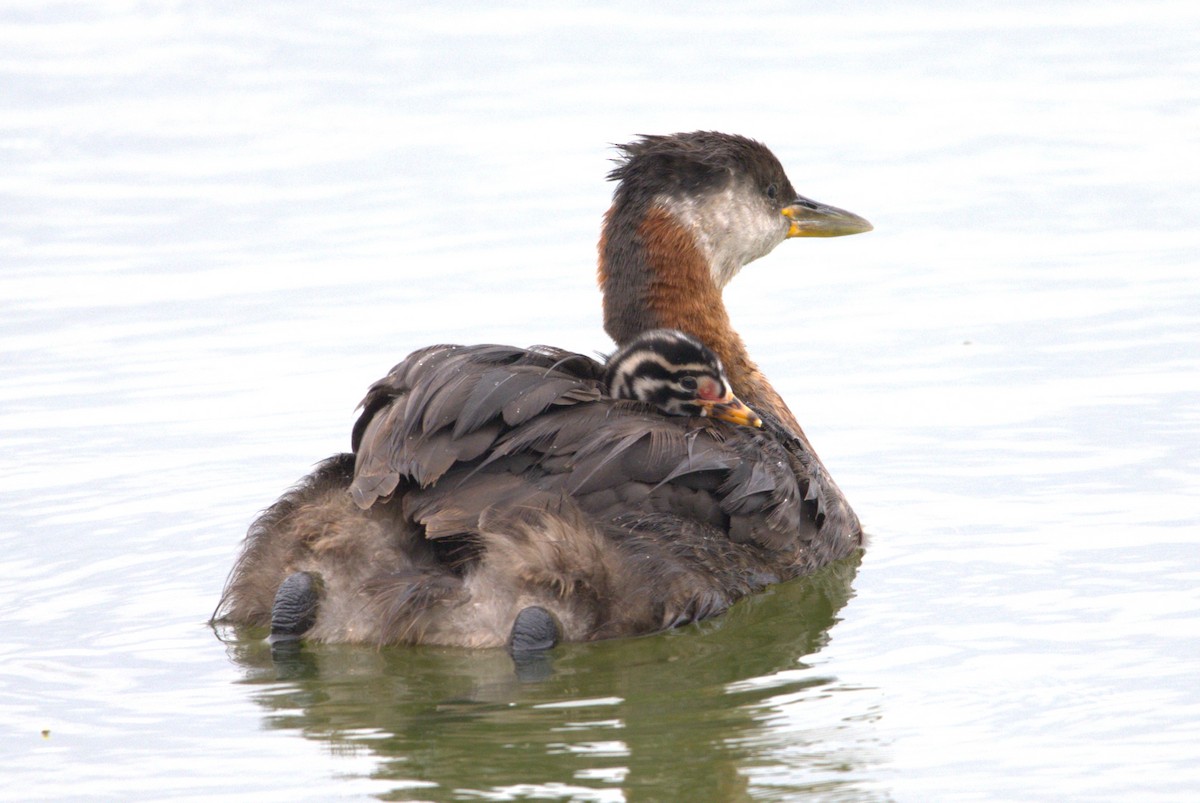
677	374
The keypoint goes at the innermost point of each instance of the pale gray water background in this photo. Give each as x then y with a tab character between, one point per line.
219	222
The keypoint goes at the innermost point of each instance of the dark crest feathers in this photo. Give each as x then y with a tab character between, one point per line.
695	162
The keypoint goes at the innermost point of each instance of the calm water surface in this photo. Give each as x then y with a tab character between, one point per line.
221	222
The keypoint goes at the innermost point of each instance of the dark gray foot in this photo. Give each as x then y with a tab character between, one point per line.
295	607
533	631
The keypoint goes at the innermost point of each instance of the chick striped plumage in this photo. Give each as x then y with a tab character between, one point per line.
676	373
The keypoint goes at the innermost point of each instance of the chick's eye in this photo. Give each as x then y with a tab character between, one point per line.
772	191
689	383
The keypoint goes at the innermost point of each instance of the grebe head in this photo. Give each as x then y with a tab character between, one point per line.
677	374
729	192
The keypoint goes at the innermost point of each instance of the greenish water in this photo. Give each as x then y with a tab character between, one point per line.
685	711
220	223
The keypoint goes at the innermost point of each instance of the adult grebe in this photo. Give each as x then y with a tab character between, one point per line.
500	495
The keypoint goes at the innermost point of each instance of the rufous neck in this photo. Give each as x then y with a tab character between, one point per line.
653	276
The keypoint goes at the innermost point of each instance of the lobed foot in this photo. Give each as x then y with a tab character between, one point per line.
533	631
295	608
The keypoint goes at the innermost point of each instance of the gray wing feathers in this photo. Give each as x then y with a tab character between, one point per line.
485	431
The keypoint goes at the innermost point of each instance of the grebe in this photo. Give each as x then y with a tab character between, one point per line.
498	495
677	374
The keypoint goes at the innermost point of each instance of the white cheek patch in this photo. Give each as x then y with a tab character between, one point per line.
732	227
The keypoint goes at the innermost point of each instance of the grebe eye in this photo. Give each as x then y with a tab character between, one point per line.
689	383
